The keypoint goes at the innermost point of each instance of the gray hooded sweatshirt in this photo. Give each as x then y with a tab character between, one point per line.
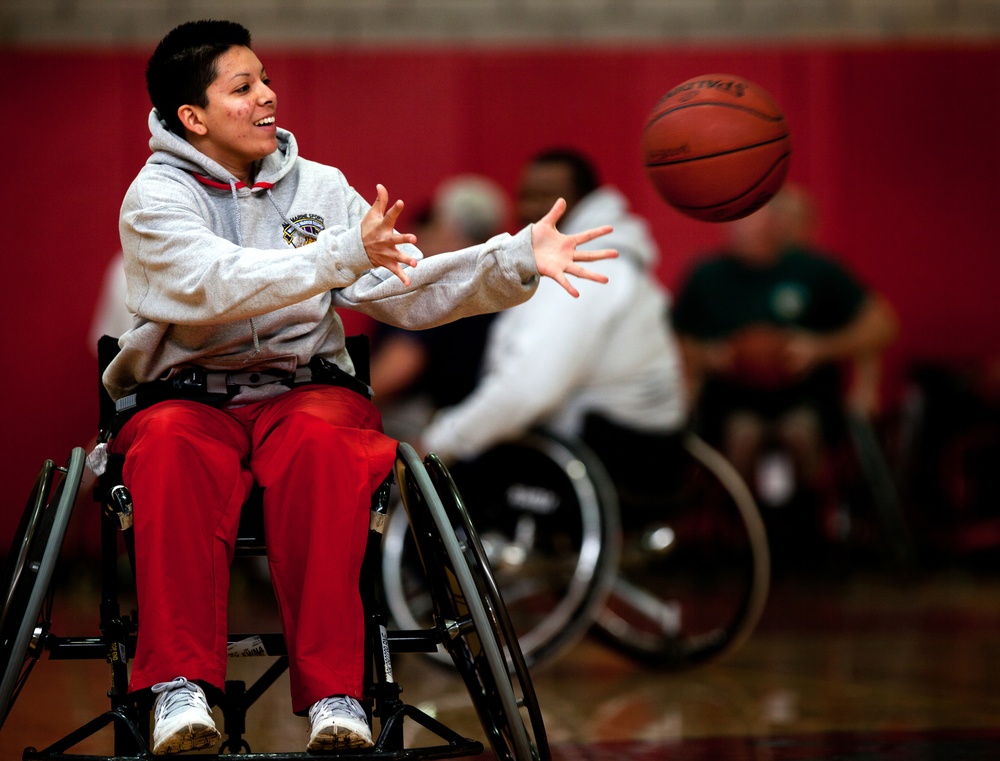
234	278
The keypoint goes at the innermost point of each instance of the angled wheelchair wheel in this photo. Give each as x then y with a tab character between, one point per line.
489	593
694	572
27	603
547	520
470	613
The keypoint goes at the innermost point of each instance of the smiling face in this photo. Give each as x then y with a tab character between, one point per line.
237	126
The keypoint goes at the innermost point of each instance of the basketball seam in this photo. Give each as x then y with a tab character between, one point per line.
652	164
750	189
734	106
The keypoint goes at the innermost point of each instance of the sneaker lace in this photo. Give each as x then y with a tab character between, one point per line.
177	696
338	705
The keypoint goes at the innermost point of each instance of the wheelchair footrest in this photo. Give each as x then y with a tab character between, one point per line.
367	753
456	745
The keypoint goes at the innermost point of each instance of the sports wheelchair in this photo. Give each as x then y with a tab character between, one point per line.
652	541
469	622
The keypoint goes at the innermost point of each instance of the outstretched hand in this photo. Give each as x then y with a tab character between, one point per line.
380	239
556	255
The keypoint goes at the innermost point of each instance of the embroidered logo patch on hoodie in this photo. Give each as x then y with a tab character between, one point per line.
303	229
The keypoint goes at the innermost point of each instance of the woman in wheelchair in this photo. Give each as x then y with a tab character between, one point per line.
235	372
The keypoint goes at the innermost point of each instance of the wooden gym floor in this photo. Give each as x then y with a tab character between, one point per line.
864	665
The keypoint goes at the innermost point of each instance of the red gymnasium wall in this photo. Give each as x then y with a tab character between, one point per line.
899	145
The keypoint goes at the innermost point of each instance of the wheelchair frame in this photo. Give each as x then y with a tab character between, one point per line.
470	622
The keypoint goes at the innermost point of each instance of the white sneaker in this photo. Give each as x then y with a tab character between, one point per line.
339	722
181	718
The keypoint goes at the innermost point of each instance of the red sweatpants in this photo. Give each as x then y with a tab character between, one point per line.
319	454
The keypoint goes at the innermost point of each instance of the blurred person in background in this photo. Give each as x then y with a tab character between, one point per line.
111	317
550	363
766	325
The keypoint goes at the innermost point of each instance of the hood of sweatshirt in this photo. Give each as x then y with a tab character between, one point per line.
172	150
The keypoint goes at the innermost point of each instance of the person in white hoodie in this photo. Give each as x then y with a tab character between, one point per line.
552	363
235	370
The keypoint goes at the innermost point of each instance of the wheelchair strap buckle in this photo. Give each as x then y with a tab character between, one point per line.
120	503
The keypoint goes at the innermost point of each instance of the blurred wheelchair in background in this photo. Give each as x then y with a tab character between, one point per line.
660	548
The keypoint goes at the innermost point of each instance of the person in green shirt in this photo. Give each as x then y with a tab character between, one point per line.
766	327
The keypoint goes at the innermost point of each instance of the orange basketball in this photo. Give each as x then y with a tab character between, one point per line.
716	147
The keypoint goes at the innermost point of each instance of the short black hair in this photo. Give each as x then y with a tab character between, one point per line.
183	65
583	174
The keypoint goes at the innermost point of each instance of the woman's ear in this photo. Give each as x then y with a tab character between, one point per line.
191	119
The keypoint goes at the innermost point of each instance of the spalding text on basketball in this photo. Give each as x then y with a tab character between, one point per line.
737	89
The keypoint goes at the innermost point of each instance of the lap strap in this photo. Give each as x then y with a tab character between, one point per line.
214	388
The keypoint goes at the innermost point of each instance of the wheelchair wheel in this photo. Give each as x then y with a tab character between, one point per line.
489	593
547	519
694	571
469	615
27	603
